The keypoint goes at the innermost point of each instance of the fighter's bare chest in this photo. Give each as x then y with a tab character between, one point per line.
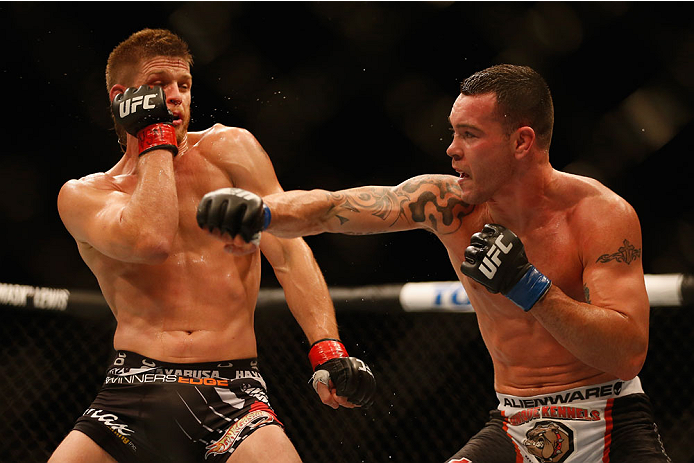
552	248
194	178
557	256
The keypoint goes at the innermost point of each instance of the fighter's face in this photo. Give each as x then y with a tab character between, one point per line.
173	75
481	151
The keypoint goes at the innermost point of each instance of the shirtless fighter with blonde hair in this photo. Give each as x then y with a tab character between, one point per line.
185	384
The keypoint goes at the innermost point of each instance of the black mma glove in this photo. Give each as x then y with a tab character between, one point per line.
496	259
235	212
143	114
351	377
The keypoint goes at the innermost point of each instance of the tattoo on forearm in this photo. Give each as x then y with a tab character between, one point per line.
377	201
586	292
413	196
627	254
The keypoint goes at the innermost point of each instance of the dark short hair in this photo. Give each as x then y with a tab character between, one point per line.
142	45
522	97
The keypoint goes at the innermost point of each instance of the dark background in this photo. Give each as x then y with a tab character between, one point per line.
348	94
340	95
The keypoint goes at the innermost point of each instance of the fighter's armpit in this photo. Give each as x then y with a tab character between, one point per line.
586	293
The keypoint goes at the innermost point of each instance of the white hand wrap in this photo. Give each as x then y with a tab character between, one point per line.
320	376
255	239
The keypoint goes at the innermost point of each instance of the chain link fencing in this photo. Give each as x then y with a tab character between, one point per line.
435	382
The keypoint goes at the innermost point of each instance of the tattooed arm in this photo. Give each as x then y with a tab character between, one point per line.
609	331
428	201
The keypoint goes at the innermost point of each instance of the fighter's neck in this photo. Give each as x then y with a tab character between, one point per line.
127	165
527	201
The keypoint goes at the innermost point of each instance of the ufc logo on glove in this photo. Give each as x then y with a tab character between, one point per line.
489	268
509	274
130	106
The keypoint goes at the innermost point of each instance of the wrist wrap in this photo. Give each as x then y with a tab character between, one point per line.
529	289
159	136
324	350
267	217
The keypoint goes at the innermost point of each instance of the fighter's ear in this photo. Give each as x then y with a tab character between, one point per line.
116	90
523	140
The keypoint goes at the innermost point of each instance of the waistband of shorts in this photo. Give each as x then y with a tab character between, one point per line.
127	359
603	391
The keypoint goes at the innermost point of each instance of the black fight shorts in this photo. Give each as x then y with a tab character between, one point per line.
152	411
602	423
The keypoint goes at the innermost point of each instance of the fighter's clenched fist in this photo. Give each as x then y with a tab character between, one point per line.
342	376
232	212
143	113
496	259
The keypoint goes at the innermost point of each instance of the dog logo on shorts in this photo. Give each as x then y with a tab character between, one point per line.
549	442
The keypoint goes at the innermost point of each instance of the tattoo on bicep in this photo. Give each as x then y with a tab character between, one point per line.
626	253
586	292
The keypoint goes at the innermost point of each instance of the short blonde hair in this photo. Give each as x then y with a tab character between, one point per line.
124	60
142	45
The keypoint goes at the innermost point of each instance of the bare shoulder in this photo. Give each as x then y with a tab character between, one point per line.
81	199
221	130
592	198
236	152
224	136
435	202
441	185
597	211
77	187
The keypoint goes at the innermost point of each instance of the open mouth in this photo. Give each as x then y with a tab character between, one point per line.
462	175
177	118
462	178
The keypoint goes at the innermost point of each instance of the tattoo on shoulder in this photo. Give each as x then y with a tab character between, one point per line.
448	207
586	292
393	204
626	253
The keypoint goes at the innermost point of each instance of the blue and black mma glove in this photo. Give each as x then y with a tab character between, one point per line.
143	114
351	377
234	211
496	259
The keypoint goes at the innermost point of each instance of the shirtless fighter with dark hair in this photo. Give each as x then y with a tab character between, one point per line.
551	263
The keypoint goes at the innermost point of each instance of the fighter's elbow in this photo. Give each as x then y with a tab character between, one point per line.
155	255
627	374
150	248
633	363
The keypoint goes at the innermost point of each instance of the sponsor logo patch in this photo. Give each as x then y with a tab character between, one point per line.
232	437
549	442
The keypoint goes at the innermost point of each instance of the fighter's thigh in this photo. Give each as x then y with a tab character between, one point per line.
490	445
78	447
268	443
